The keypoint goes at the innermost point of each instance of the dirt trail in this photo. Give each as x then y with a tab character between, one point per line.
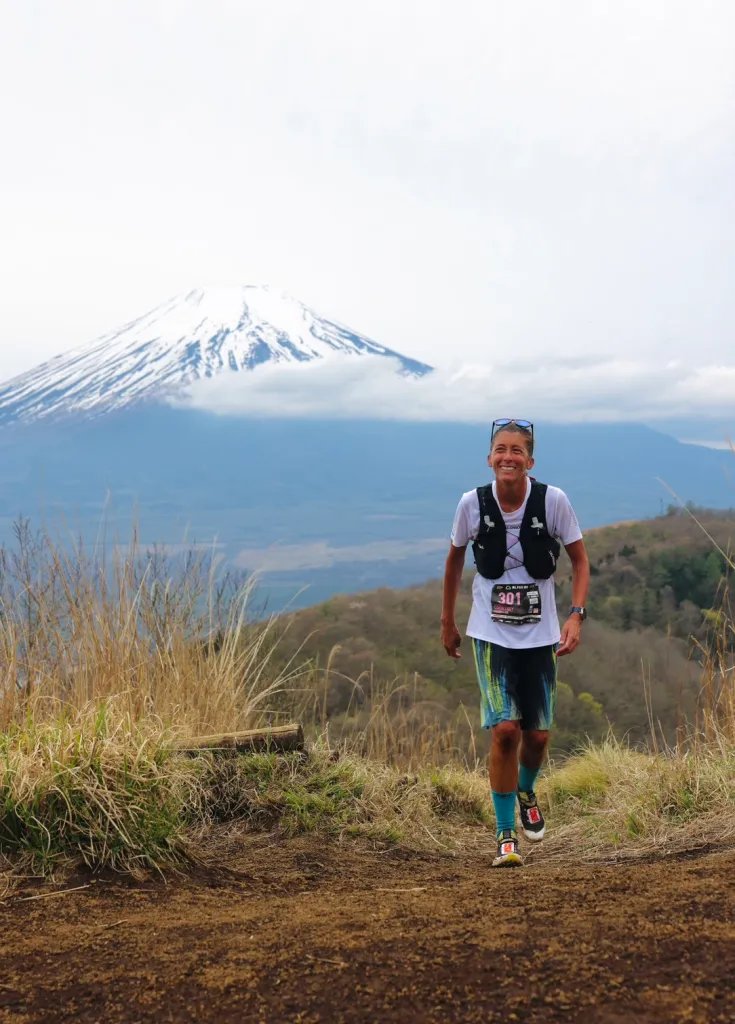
307	931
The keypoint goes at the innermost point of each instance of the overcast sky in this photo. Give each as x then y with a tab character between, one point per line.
474	182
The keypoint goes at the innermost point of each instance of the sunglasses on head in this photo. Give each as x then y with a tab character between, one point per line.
505	422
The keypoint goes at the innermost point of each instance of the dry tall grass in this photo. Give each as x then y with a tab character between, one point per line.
161	636
386	722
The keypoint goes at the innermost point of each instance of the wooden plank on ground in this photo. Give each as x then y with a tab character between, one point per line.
274	737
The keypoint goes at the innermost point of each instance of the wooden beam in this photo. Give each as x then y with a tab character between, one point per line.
278	738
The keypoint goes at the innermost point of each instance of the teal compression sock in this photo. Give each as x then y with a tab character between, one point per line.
505	810
527	778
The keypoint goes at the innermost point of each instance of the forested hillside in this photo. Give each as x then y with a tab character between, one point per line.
656	585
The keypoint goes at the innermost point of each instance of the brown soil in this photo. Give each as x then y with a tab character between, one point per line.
308	932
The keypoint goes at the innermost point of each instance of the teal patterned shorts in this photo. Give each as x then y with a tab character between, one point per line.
516	685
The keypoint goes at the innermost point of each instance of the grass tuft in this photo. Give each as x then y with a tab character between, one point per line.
337	794
94	786
460	795
612	798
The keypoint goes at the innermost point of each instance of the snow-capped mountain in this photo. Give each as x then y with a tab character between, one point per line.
200	334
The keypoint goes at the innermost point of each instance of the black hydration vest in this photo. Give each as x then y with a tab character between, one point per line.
540	550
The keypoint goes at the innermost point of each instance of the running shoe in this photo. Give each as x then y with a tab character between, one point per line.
508	855
532	820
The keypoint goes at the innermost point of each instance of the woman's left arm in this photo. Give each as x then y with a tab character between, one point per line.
571	631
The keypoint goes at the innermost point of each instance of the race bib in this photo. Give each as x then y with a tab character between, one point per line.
516	603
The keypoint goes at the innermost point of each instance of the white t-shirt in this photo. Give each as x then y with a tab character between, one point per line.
561	522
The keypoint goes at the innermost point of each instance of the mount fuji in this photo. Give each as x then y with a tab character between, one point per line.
198	335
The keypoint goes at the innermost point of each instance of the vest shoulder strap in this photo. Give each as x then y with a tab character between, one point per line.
537	499
490	515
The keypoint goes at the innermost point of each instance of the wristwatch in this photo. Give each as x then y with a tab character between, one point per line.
580	610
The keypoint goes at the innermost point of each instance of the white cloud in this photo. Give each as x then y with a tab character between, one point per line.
568	390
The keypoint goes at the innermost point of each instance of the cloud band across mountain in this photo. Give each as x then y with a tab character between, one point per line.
598	390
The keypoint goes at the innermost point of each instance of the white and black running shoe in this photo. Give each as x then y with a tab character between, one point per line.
532	820
508	855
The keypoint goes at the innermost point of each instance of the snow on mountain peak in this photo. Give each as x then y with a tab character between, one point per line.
203	333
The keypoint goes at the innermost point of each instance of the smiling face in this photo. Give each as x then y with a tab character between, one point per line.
510	458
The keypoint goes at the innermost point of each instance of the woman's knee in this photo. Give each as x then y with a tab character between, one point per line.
537	739
507	734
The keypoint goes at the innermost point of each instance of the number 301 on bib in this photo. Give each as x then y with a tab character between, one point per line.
516	603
